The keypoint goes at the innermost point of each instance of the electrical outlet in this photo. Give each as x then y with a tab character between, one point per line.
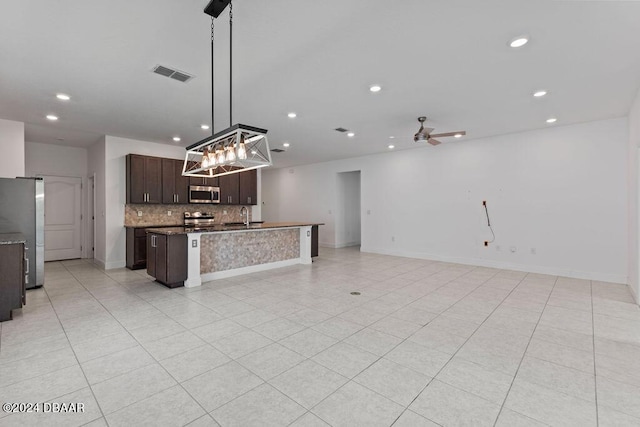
484	203
168	213
393	238
513	249
486	243
194	243
139	213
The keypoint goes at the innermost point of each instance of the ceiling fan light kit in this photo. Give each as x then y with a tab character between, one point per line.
424	134
235	149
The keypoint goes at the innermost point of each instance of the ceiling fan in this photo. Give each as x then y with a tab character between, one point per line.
424	134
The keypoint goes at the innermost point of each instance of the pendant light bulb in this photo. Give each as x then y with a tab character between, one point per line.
242	149
231	154
205	159
212	157
220	156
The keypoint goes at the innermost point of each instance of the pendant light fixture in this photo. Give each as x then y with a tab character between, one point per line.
237	148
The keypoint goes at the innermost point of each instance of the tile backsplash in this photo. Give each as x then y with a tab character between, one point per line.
158	214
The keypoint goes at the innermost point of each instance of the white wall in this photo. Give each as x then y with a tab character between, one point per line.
633	189
96	167
115	190
560	190
56	160
12	149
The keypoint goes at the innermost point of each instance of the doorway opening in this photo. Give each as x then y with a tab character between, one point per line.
348	215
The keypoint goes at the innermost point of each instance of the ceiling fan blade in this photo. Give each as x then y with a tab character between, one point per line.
427	131
438	135
433	141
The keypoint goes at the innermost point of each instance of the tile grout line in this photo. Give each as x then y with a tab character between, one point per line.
309	358
71	346
459	348
143	348
404	340
525	352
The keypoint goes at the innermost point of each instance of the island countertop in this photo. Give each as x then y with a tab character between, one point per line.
12	238
226	227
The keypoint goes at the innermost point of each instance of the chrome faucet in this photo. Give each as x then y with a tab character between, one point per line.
246	211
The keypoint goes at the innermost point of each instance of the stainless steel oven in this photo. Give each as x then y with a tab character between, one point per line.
204	194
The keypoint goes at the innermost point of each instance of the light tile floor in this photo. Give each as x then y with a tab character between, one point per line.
426	343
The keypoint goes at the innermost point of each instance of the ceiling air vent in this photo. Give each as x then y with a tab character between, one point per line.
172	74
277	150
341	129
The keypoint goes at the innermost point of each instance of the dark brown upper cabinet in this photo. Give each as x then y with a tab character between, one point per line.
175	187
144	179
229	189
249	187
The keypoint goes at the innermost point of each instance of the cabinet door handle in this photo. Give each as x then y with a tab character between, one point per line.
177	198
26	266
249	199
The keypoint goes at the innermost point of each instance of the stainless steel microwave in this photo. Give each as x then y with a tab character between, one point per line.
204	194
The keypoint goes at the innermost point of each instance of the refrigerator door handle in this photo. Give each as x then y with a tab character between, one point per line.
26	265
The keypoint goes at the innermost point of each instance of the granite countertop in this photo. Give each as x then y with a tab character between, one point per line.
153	226
12	238
223	227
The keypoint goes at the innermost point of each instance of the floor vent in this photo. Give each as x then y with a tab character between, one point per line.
180	76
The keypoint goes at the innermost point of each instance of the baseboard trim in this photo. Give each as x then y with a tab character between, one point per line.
587	275
112	265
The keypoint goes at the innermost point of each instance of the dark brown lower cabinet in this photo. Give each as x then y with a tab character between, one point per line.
12	279
167	258
136	248
314	241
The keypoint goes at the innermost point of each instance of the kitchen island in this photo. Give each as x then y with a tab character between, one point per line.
220	251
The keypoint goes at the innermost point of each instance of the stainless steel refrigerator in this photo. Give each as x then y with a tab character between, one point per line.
22	211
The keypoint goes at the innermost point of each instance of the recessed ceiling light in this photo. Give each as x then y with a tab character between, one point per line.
351	134
204	127
375	88
63	97
254	152
176	139
457	135
551	120
519	41
540	93
292	115
392	137
286	144
52	117
391	147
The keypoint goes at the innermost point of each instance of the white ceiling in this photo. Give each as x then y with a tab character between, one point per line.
445	59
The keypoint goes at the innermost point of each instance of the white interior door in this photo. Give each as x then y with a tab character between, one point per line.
63	217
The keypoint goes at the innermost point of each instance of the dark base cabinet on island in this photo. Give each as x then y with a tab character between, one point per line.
167	258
